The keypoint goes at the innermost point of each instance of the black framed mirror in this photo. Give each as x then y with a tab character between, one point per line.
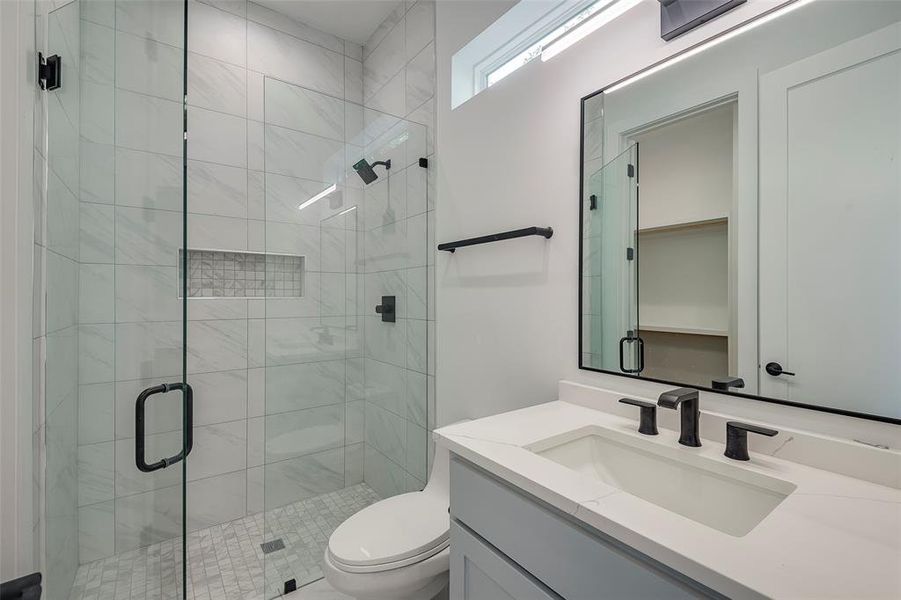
740	214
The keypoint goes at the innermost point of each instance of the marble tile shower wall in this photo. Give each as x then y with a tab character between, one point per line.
55	322
261	368
399	359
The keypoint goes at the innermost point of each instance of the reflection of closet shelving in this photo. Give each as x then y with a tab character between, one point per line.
686	330
688	225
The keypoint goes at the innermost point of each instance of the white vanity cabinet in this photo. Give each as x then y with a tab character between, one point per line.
507	544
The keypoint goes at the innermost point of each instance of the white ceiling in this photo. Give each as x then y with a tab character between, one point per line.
353	20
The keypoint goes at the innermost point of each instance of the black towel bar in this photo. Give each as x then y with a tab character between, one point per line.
545	232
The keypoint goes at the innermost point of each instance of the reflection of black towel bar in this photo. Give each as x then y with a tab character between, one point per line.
497	237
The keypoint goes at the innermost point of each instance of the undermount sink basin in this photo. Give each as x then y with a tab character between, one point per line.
728	498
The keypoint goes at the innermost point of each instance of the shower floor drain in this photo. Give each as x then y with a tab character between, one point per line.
272	546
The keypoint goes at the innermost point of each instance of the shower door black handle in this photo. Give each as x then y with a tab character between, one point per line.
622	343
188	433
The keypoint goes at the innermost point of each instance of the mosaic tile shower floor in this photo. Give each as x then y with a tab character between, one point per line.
226	562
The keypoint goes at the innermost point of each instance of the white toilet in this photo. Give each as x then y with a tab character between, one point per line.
397	548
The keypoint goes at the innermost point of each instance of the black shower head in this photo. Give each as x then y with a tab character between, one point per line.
366	171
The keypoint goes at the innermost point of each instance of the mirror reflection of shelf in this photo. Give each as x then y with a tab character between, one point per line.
684	330
689	225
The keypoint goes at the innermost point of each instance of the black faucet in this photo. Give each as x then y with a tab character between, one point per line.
724	383
690	413
737	438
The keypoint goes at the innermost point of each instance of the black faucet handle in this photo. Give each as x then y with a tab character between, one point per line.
724	383
737	438
647	416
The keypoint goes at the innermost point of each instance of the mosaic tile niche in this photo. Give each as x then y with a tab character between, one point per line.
221	274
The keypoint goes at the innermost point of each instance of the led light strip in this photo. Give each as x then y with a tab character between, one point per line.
725	36
319	196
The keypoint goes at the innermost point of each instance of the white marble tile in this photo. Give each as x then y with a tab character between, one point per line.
303	432
216	85
98	172
384	62
385	27
417	398
417	445
299	386
255	487
289	59
217	34
354	455
280	22
97	240
256	85
102	12
96	531
425	115
148	180
417	189
290	341
384	476
148	350
354	379
284	195
392	96
256	441
334	248
304	110
62	292
417	246
147	237
303	155
386	247
215	189
299	240
96	473
384	283
62	218
421	78
235	7
353	80
417	345
256	195
420	26
303	477
62	153
148	123
161	21
256	146
96	413
333	294
96	353
385	385
148	67
353	50
417	293
220	233
217	346
147	293
217	137
97	117
62	381
386	342
355	422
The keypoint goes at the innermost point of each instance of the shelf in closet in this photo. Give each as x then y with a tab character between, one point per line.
683	330
688	225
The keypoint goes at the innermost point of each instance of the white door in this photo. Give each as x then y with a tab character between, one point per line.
830	227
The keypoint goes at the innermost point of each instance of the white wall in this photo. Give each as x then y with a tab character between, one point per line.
509	158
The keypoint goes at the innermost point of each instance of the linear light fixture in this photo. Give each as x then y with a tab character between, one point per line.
611	11
697	49
346	210
319	196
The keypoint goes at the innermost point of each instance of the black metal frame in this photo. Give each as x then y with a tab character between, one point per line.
545	232
638	377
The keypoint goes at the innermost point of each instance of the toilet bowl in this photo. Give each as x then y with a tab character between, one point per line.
397	548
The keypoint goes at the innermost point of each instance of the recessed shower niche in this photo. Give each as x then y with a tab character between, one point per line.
224	274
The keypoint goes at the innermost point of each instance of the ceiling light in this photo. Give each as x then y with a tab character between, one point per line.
319	196
727	35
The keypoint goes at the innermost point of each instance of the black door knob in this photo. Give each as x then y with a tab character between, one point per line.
775	369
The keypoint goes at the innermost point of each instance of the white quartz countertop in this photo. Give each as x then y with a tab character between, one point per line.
833	537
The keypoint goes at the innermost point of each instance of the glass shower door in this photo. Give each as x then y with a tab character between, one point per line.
609	336
111	324
343	356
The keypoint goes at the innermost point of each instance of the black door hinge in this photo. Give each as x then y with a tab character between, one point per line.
592	202
630	170
50	71
630	253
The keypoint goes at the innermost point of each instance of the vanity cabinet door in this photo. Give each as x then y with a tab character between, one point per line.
479	572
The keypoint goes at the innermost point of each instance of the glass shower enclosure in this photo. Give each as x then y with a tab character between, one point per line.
218	389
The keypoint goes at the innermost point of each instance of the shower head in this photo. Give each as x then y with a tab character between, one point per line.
366	171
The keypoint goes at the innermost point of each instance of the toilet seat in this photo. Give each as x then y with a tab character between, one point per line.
391	533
